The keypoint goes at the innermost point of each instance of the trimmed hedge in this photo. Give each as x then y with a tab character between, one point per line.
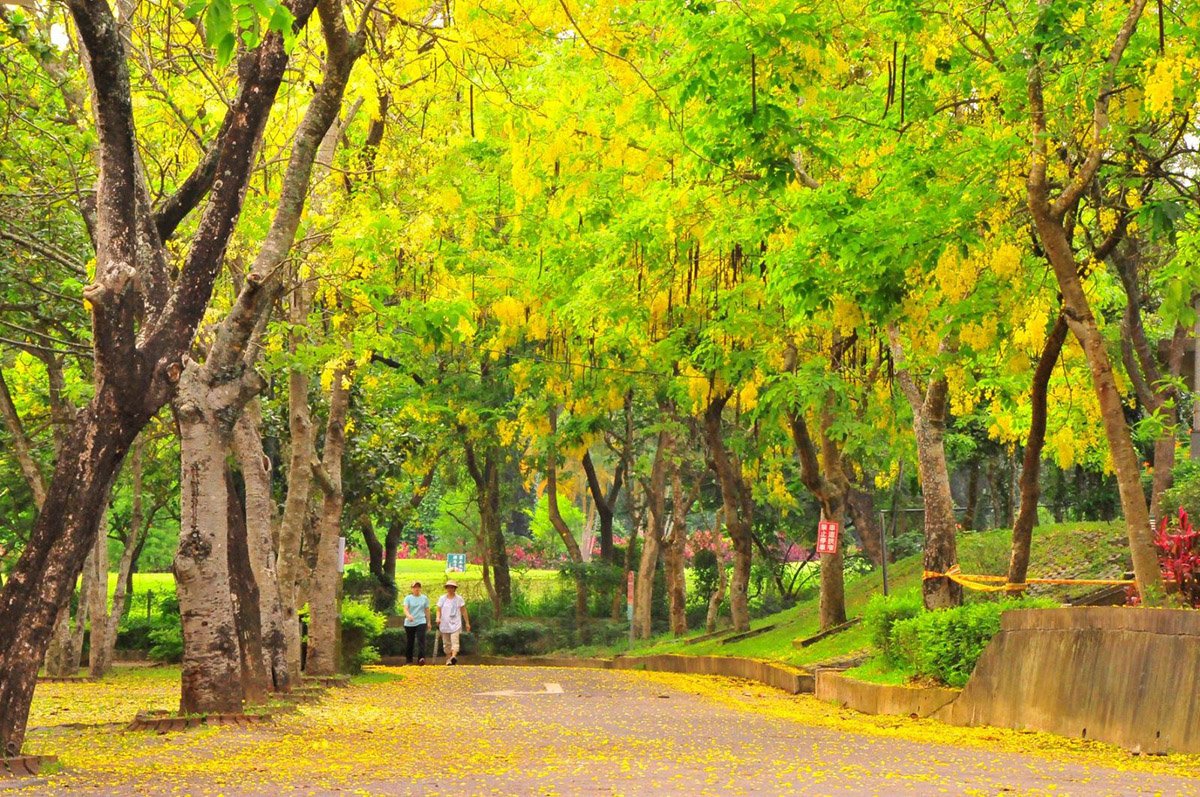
519	639
883	612
945	645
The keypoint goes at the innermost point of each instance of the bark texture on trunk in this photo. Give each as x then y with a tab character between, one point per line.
61	658
929	428
260	533
828	484
245	597
297	505
212	659
486	475
1154	378
21	445
606	501
324	631
143	323
130	550
738	509
98	618
44	576
1031	465
574	552
860	505
714	601
972	508
59	661
1049	213
673	546
655	523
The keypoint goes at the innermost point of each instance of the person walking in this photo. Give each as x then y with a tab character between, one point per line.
452	619
416	622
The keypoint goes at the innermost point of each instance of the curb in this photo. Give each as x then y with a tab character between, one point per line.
793	682
889	699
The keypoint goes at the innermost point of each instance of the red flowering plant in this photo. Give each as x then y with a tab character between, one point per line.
1179	559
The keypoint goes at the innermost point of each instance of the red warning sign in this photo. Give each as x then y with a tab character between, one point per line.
827	536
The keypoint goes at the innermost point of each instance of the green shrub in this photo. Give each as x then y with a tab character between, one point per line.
390	642
166	643
883	612
360	627
134	633
357	581
945	645
479	610
519	639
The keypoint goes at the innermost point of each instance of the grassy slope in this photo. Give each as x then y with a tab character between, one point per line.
1079	550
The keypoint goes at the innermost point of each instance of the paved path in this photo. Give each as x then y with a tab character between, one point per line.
593	732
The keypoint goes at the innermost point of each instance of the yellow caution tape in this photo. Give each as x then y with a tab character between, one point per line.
1001	583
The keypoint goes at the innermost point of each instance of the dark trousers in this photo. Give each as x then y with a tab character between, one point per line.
414	635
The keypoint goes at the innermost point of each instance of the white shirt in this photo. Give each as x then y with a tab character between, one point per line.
450	613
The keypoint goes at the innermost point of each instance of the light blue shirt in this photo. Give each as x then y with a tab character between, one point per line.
418	606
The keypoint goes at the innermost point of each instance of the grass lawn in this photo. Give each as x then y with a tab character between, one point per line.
430	572
432	575
1068	550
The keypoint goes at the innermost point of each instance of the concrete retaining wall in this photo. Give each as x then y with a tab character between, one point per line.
1118	675
869	698
789	680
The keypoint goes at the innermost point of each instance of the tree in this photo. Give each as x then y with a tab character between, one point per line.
143	322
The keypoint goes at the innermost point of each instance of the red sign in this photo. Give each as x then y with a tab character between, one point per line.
629	589
827	536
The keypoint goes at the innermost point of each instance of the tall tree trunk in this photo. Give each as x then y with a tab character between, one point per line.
1194	447
828	484
59	662
860	505
972	508
929	427
574	552
1031	465
673	553
486	475
605	502
714	601
620	595
1048	215
298	503
59	659
260	534
739	511
98	618
136	363
245	596
1153	377
381	563
82	612
21	445
129	551
656	520
324	631
212	660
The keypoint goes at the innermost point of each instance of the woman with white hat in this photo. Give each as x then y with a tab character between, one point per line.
452	619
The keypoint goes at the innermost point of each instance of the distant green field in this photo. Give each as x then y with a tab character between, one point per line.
430	572
432	575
